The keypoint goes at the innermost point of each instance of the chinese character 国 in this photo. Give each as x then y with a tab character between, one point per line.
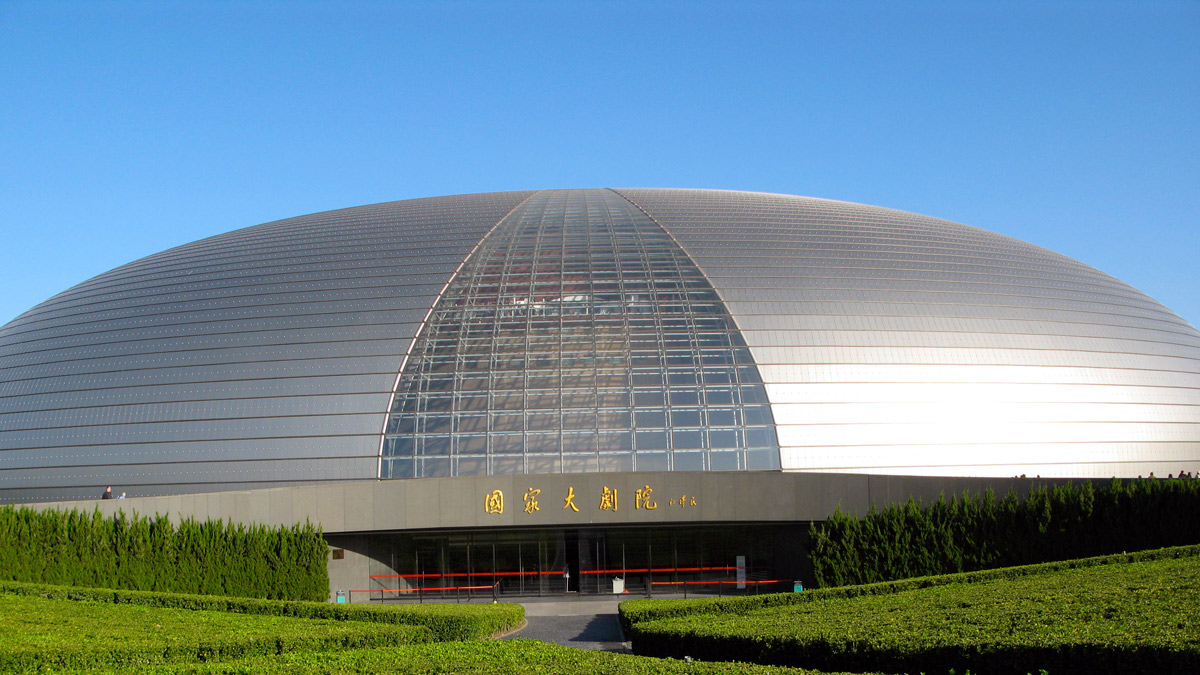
493	502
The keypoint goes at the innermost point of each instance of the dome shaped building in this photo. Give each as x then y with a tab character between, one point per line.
709	340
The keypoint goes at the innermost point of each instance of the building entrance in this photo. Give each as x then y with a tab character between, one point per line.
463	566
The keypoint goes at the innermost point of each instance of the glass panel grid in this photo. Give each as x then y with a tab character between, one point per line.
579	337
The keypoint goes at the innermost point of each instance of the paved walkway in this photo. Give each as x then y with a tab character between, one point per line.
587	623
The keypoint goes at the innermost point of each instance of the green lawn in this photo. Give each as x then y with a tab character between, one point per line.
1142	616
63	633
516	657
1118	617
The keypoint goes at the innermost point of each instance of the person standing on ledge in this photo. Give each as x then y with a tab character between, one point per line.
108	493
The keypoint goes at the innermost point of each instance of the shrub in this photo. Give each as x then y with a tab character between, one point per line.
633	612
978	532
446	622
53	634
508	657
1115	618
151	554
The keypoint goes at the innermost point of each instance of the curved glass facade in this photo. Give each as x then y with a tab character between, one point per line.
592	330
578	337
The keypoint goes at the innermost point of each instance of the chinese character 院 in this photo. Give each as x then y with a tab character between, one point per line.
641	500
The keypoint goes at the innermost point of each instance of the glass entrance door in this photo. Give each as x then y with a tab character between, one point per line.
466	566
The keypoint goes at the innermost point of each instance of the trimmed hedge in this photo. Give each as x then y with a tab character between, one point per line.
633	612
151	554
970	533
508	657
54	634
447	622
1137	618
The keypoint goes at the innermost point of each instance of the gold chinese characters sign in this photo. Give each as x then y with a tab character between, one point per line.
609	500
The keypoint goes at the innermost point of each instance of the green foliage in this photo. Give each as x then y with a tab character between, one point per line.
44	634
638	611
85	635
978	532
151	554
1137	617
509	657
446	622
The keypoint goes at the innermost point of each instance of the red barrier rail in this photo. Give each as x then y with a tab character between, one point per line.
632	570
701	583
424	589
381	591
434	575
662	570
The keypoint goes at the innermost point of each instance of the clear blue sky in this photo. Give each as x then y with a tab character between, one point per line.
127	128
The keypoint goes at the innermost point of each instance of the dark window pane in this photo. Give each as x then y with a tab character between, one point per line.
651	440
650	461
723	461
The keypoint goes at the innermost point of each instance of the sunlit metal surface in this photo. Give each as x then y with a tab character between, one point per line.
886	342
896	343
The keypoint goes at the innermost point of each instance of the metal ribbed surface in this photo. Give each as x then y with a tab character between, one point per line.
887	342
896	343
263	356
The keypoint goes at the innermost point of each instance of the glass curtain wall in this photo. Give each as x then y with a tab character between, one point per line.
726	560
578	337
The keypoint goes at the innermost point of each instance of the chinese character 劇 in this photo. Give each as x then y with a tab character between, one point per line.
641	499
493	502
608	499
531	503
570	500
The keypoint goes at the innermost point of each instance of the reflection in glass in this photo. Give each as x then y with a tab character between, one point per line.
593	344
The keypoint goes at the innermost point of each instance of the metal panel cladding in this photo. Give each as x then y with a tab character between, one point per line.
896	343
265	356
886	342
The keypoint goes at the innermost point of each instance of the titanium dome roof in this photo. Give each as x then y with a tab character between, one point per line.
592	330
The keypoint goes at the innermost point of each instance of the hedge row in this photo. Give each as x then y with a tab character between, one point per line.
507	657
49	634
447	622
978	532
1128	619
633	612
134	552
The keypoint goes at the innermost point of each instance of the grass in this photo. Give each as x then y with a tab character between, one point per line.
509	657
635	611
1116	617
1142	616
448	622
83	636
61	633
